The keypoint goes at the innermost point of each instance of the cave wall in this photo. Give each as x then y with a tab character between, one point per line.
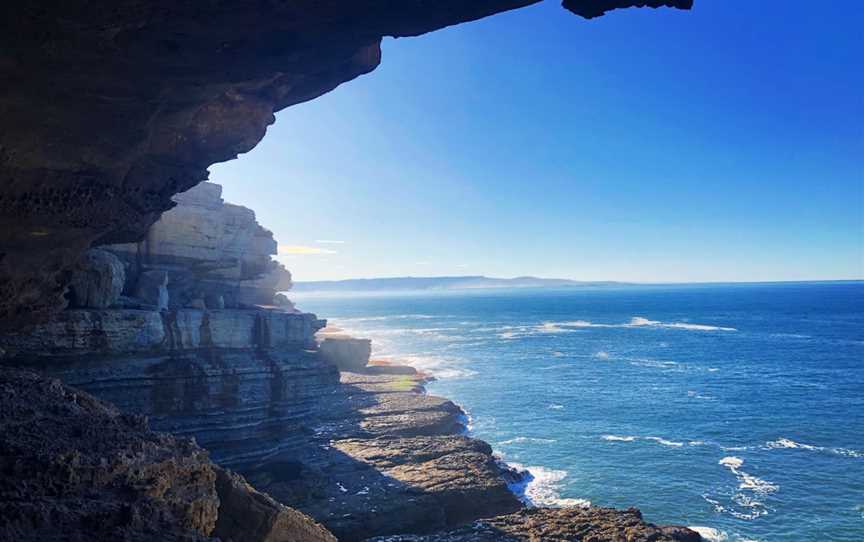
108	109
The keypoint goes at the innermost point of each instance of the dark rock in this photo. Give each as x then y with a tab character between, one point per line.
245	515
97	281
559	525
346	353
76	468
595	8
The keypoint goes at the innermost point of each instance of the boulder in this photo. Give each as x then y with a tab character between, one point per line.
98	280
346	353
247	515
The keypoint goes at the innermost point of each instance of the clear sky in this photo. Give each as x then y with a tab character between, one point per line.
723	143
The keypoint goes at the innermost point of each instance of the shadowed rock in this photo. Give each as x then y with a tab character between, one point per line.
559	525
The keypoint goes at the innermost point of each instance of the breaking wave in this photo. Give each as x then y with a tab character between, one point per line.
542	487
785	443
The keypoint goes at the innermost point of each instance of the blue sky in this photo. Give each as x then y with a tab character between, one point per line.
720	144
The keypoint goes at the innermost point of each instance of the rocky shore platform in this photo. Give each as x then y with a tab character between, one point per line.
394	459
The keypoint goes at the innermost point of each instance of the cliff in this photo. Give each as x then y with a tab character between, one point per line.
167	329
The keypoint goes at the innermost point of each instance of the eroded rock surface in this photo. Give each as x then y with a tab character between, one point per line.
73	467
387	458
559	525
111	108
246	514
207	254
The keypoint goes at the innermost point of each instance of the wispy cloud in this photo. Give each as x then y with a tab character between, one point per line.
421	263
303	250
329	242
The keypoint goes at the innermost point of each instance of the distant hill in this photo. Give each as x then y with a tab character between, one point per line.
440	283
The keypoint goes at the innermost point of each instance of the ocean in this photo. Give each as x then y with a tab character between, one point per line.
735	409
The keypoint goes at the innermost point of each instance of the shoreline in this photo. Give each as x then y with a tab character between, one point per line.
512	511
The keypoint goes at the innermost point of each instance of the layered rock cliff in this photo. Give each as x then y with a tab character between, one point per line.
111	108
170	328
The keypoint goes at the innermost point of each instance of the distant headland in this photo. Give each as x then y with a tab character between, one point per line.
443	283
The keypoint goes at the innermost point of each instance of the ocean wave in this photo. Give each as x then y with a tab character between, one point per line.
442	368
744	503
710	534
528	439
542	486
665	442
785	443
631	438
618	438
641	322
556	407
697	395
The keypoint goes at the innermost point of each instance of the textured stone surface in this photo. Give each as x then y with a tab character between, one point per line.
213	253
111	108
72	467
126	331
384	457
246	514
559	525
97	280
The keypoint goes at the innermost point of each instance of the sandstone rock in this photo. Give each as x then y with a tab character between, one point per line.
559	525
98	280
246	515
209	249
386	458
152	288
346	353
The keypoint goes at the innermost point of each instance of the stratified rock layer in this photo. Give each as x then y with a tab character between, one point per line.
214	255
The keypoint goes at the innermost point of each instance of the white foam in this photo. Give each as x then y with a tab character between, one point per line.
442	368
556	407
785	443
638	321
665	442
602	354
710	534
542	488
747	482
618	438
528	439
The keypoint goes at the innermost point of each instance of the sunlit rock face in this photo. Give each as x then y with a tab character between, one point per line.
110	108
211	254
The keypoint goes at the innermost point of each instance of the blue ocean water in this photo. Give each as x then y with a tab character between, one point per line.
738	409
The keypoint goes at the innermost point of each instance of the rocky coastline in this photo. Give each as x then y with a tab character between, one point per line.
176	359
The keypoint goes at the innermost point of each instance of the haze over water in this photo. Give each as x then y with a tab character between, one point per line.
735	408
